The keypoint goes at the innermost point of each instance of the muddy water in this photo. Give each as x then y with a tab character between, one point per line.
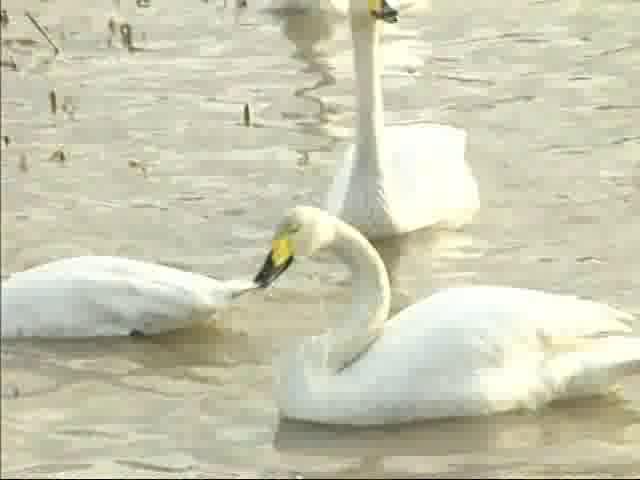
159	165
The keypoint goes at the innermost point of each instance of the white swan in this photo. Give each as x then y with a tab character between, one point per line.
335	7
397	179
460	352
90	296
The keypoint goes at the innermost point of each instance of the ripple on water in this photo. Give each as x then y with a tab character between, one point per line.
542	88
25	383
165	385
105	364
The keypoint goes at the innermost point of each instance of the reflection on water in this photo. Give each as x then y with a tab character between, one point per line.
159	165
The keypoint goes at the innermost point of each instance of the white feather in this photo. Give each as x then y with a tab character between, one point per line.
462	351
104	295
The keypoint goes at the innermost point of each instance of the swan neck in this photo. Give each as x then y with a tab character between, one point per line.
370	302
367	60
304	377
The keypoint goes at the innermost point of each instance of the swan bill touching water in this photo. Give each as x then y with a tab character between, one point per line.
463	351
90	296
396	179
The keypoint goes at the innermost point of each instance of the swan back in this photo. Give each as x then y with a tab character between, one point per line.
425	181
103	295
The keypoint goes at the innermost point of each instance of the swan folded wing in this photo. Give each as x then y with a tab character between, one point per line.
148	305
567	321
430	181
508	345
560	323
566	343
417	155
425	182
486	327
583	348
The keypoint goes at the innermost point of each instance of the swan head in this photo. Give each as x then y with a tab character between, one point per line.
378	9
303	231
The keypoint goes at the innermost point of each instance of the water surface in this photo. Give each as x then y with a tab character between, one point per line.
158	165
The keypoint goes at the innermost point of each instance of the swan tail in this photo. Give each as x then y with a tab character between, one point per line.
597	369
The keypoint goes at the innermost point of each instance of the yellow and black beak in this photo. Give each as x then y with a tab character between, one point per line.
381	10
280	258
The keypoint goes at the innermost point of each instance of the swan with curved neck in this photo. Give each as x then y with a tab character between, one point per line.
462	351
396	179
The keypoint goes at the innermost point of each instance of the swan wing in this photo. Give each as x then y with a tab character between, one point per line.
479	350
429	181
494	323
426	182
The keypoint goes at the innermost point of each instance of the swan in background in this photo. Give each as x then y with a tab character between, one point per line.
463	351
89	296
331	7
402	178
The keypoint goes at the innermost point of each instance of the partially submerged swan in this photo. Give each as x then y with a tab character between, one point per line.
401	178
463	351
91	296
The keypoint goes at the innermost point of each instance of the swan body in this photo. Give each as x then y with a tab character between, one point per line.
334	7
438	190
464	351
397	179
91	296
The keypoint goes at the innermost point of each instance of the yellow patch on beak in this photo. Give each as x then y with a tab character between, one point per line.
282	250
375	5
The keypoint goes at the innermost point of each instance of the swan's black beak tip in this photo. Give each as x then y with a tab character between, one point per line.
387	13
262	277
270	272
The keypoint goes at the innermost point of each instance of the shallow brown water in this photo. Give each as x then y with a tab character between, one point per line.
158	165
